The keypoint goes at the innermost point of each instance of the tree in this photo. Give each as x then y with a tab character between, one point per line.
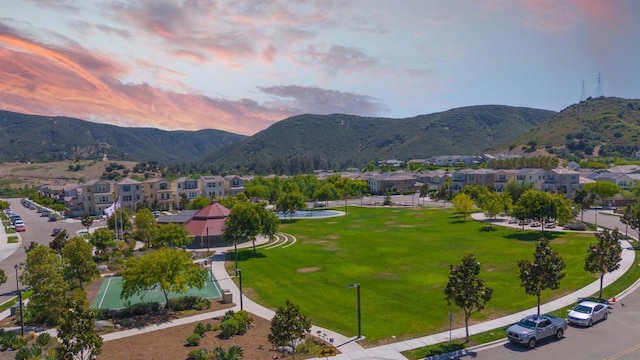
76	333
184	201
3	277
539	205
199	202
246	221
78	261
86	220
59	241
545	272
172	234
124	222
631	216
167	269
102	239
43	273
602	189
288	325
493	203
463	203
516	189
146	227
289	203
583	200
466	290
605	255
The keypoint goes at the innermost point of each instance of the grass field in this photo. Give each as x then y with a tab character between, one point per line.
400	258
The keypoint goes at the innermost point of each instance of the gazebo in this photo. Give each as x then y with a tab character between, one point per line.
207	224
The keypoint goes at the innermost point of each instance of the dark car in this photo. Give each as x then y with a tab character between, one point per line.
56	231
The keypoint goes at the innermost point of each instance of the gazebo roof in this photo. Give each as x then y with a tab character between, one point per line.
209	221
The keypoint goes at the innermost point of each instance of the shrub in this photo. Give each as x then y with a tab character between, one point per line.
29	352
201	329
189	303
576	226
11	340
244	317
199	354
227	316
143	308
229	328
43	339
193	340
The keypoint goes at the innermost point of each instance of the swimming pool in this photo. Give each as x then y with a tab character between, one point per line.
306	214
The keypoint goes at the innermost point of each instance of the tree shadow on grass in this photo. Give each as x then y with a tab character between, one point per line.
487	228
246	254
533	236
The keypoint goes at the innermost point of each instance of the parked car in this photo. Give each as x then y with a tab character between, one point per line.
535	328
587	313
56	231
53	217
20	227
45	213
535	224
512	220
32	207
549	225
157	213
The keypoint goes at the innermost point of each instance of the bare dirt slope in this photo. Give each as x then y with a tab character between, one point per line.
54	173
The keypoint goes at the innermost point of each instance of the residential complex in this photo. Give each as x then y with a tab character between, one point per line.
94	196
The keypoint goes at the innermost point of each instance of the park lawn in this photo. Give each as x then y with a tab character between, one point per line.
400	258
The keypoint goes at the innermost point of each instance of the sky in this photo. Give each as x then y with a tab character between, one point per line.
242	65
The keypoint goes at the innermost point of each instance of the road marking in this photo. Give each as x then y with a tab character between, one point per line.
624	352
104	293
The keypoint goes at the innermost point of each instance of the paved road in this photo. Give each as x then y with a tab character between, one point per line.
39	231
615	338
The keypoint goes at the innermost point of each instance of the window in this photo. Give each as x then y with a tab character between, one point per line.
126	188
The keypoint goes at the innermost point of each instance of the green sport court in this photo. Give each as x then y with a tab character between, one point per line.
109	294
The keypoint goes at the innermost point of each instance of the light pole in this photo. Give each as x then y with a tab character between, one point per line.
16	267
357	286
239	275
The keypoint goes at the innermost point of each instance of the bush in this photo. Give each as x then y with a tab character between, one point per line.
576	226
201	329
43	339
11	340
199	354
229	328
193	340
29	352
189	303
143	308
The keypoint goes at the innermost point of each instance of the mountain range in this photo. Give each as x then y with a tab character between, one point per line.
303	143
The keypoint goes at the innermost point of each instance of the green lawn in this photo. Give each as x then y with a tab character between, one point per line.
401	259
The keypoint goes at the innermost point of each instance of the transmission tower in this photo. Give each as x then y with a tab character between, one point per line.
582	94
599	81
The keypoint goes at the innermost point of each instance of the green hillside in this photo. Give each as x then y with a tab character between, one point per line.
307	142
43	138
605	126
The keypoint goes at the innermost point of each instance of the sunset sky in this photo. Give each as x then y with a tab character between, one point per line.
240	66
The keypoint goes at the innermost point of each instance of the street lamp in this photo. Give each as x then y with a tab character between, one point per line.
239	275
20	300
357	286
